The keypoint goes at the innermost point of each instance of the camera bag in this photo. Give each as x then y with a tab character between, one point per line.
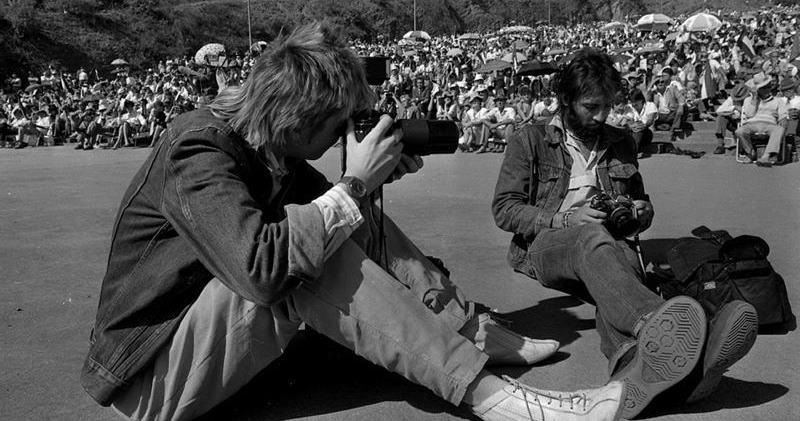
714	269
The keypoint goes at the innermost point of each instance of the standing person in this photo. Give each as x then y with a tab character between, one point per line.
544	194
228	240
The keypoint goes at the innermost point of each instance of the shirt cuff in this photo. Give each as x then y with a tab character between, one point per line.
341	217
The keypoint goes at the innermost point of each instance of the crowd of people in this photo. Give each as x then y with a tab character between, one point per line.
481	81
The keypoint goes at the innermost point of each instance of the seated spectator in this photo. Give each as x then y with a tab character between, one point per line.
787	89
729	114
475	132
523	106
644	118
131	122
500	122
22	127
671	103
158	122
762	113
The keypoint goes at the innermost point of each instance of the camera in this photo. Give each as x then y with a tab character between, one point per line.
420	137
621	213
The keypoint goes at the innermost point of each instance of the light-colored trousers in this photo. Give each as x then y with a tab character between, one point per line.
405	319
775	132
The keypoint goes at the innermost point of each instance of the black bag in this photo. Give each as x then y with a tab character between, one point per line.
714	269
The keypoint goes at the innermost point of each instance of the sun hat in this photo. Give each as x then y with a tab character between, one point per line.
740	92
759	81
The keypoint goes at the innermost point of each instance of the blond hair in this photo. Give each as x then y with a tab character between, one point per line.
299	81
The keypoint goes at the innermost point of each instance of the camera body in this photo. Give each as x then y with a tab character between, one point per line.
621	213
420	137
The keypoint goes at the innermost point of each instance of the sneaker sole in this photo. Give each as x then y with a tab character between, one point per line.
669	347
727	344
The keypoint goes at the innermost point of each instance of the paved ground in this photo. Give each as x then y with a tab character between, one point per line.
57	206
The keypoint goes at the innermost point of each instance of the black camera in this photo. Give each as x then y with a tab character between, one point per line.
621	214
420	137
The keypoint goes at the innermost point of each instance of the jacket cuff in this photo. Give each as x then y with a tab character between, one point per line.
306	241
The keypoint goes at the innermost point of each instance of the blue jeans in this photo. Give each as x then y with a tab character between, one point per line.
586	261
405	319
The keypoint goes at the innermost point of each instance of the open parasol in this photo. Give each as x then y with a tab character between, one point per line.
119	62
469	37
515	29
417	35
493	66
537	68
653	21
701	22
612	25
213	55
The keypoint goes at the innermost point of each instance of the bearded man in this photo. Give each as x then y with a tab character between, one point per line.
549	176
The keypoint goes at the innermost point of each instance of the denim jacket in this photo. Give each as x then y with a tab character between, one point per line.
534	179
197	209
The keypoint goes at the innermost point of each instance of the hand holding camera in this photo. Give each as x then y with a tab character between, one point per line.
622	213
374	158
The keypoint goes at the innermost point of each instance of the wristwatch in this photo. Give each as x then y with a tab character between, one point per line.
354	187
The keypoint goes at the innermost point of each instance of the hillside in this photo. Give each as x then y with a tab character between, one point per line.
90	33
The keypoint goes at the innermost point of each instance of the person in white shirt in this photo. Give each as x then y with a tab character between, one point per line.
475	132
762	113
500	122
641	126
787	89
729	114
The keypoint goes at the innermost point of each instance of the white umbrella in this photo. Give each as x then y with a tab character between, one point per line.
612	25
417	35
471	36
211	54
119	62
648	22
701	22
515	29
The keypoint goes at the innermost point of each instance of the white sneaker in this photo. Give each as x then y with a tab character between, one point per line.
518	402
503	346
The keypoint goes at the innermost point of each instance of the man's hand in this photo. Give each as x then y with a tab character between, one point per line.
376	157
586	215
408	164
637	126
644	213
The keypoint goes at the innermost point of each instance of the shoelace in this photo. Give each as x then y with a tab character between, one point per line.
579	399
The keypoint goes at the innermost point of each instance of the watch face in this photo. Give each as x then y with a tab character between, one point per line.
357	187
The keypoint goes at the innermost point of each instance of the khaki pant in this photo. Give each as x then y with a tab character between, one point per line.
404	319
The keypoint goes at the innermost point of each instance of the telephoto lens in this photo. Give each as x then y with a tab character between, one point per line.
420	137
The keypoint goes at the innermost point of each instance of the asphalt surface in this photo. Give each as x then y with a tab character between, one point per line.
57	207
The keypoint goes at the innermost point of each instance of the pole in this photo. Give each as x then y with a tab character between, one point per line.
548	12
249	28
415	15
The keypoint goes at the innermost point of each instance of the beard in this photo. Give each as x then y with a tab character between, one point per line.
573	122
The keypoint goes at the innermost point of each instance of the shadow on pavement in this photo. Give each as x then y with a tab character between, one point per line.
548	319
316	376
730	394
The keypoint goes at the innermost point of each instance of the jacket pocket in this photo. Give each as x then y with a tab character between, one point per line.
622	171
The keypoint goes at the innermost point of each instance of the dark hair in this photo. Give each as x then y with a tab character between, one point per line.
591	72
637	96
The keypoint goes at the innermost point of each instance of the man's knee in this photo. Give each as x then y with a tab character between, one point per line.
591	236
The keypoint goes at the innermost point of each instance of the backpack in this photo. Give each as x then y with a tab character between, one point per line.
715	268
